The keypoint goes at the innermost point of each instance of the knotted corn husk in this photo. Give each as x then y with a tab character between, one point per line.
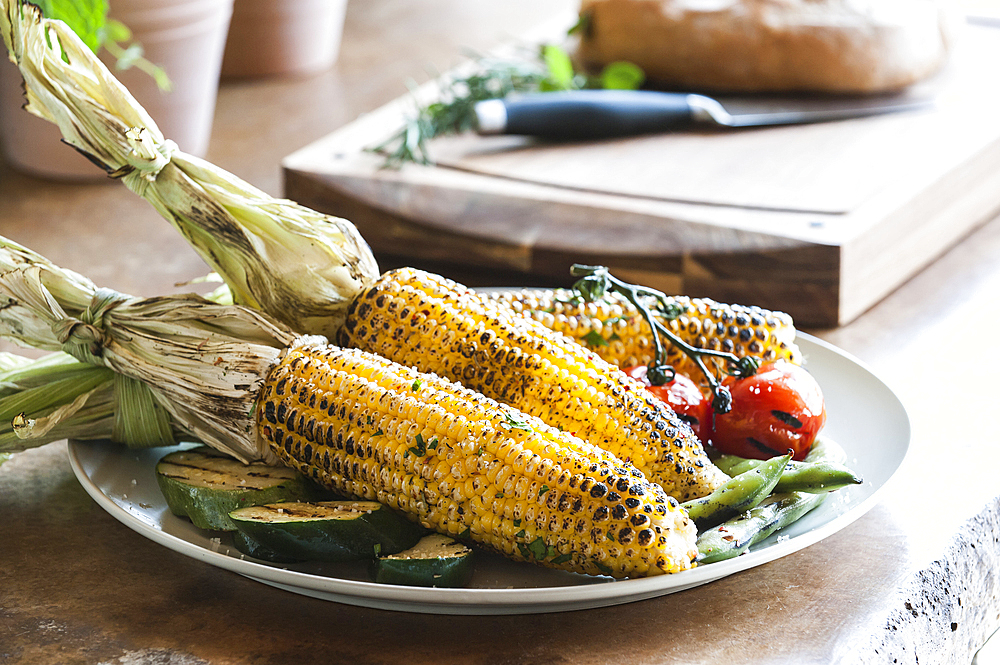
300	266
201	362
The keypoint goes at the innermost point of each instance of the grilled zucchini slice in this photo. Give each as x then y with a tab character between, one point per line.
205	486
435	561
327	530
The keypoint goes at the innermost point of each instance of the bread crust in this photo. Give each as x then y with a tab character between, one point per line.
839	46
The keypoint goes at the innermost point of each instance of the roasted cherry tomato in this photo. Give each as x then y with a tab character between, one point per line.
684	398
777	409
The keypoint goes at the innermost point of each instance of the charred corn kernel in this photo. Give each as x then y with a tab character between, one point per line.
613	328
367	444
519	362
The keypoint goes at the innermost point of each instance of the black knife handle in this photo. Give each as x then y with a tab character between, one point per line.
586	114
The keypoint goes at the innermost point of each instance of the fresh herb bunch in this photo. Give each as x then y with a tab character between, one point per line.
549	69
89	20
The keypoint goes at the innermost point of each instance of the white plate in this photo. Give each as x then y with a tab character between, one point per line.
864	416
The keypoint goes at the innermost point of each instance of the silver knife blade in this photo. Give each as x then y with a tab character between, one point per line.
763	111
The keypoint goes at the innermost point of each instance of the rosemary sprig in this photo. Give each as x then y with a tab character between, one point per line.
453	112
595	281
548	69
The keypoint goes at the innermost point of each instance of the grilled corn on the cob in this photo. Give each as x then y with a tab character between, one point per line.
463	464
423	320
614	329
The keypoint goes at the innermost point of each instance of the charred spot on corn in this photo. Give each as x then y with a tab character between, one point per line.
450	459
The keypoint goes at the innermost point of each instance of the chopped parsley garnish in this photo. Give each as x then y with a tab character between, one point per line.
514	423
601	567
594	338
572	300
416	385
562	558
420	449
543	490
538	548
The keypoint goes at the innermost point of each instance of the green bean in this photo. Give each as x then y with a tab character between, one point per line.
736	536
824	472
738	495
814	477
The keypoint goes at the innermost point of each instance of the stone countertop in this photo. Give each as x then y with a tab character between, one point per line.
914	580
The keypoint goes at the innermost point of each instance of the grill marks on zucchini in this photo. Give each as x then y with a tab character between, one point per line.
205	486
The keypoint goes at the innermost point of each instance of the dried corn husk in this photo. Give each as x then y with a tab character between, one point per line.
201	362
298	265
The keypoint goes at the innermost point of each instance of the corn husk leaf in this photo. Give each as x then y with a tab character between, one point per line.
57	397
201	362
300	266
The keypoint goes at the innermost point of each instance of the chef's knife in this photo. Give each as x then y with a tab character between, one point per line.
588	114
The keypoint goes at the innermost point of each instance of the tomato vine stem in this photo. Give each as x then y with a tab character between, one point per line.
595	281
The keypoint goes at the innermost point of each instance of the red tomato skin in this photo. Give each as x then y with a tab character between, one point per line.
779	408
683	396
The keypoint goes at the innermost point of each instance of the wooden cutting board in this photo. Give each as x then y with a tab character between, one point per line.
821	221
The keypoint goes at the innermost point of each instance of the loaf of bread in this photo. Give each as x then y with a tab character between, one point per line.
839	46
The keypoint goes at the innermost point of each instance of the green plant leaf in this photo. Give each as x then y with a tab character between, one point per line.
622	76
560	68
87	18
117	31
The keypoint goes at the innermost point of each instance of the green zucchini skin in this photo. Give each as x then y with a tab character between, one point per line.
252	548
205	486
436	561
327	530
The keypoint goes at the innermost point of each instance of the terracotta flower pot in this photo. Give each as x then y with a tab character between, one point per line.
185	37
283	37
